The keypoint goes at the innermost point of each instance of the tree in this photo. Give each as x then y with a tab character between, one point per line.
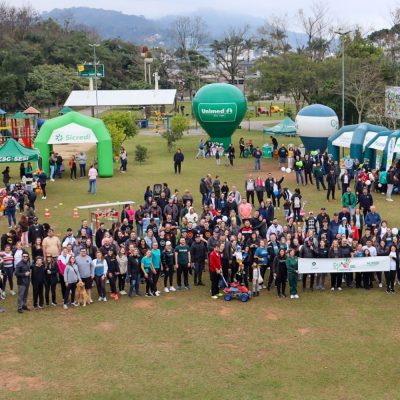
364	85
318	27
249	114
188	33
122	120
141	153
171	137
179	123
229	50
274	34
117	137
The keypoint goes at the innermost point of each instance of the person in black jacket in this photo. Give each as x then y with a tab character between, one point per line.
51	274
23	272
390	183
113	271
331	181
273	248
198	254
280	271
308	167
178	160
134	272
231	154
323	253
308	251
168	263
38	281
35	231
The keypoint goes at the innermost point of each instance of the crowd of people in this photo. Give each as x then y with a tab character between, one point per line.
170	239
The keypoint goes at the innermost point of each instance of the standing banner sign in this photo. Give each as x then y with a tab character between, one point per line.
333	265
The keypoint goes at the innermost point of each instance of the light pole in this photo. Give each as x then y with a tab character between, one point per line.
42	77
343	80
95	73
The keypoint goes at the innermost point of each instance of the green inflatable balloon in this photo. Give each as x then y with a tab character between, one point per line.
219	108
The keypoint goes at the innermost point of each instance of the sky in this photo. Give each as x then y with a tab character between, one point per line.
367	13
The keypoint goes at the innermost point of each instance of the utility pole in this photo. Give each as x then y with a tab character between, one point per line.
95	72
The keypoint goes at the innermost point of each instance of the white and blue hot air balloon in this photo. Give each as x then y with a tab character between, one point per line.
315	124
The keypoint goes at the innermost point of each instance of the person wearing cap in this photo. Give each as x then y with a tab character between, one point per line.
182	263
214	239
344	213
311	223
322	216
366	202
198	254
35	231
69	239
215	271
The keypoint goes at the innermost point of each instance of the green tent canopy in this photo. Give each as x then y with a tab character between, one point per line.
20	115
65	110
286	127
13	152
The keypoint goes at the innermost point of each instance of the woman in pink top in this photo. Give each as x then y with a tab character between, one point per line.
92	179
131	212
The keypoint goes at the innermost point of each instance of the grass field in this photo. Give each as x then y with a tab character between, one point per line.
183	345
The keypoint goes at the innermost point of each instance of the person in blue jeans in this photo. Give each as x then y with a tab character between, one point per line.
257	155
298	167
10	203
92	179
201	149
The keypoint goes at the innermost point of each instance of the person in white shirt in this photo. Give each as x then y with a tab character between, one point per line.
274	228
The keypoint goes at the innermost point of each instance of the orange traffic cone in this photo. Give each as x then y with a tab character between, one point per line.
76	213
47	213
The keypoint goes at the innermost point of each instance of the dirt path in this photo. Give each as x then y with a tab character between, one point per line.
67	150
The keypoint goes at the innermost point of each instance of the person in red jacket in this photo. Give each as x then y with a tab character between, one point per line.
215	271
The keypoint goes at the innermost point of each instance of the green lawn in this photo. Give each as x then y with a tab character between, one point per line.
184	345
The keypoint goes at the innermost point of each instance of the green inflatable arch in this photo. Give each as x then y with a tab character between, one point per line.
76	128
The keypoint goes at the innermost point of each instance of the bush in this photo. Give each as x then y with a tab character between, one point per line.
178	124
252	97
171	137
288	112
141	153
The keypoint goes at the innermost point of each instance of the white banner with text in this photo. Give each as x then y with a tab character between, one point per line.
332	265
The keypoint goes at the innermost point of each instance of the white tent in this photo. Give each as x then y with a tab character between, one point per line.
87	98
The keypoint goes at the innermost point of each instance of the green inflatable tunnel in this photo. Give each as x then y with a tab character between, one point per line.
76	128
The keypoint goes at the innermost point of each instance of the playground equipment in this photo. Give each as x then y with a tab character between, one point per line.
21	128
276	109
263	110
